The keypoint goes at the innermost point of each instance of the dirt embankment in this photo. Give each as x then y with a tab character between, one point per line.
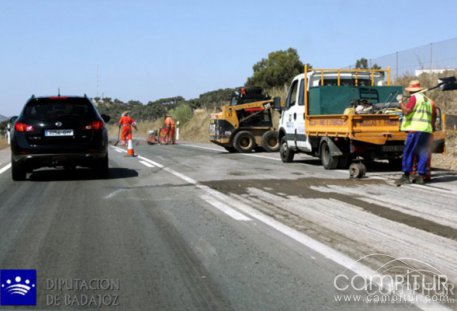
448	160
197	128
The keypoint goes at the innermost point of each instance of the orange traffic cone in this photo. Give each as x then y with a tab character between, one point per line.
130	150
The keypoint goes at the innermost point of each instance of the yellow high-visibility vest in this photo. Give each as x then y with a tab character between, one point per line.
420	118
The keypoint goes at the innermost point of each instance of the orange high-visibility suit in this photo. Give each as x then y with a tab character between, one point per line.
126	123
170	125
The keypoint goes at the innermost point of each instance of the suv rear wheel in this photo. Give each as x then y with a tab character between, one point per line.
18	171
101	167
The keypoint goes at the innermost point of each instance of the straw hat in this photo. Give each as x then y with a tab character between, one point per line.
414	86
125	113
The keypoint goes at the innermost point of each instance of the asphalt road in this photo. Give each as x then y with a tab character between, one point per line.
192	227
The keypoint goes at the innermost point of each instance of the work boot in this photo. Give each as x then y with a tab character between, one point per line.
404	179
420	180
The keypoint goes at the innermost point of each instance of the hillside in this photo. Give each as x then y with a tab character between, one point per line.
3	118
157	109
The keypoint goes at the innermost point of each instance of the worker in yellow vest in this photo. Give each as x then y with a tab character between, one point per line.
419	118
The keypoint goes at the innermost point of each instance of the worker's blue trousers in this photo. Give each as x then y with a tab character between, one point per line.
417	146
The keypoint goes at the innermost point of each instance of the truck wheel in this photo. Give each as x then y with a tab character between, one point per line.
344	162
18	171
270	141
244	141
287	154
328	161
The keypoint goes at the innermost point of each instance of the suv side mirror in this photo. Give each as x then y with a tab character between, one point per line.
13	119
277	103
106	118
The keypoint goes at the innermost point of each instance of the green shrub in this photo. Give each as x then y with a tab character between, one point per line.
183	113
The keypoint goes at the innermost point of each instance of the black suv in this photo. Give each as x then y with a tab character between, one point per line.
59	131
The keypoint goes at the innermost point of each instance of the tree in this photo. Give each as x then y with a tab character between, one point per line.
275	71
375	66
362	63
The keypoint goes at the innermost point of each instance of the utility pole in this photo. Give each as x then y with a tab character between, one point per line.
98	79
396	66
431	57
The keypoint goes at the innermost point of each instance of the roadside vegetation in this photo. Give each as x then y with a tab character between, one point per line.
3	143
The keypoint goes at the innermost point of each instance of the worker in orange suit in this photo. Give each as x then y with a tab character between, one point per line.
125	125
170	126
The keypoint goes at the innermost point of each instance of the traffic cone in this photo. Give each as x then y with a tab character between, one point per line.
130	150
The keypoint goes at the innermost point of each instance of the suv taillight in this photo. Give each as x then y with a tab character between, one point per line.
95	125
23	127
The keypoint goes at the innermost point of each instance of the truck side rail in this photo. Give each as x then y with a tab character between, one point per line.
370	128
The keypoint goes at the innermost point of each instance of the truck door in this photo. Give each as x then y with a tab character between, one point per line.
299	120
293	117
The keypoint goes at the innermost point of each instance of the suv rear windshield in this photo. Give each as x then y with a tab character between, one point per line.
50	109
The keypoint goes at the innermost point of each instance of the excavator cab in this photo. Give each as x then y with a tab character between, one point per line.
245	95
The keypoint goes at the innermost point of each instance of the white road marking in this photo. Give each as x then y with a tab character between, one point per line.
326	251
259	156
225	208
146	164
211	196
183	177
112	194
337	257
150	161
118	149
200	147
219	150
5	168
431	189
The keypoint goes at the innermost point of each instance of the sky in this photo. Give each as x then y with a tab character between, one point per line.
150	49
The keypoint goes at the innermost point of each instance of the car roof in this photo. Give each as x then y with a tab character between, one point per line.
59	96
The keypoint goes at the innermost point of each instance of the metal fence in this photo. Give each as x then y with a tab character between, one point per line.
434	57
451	122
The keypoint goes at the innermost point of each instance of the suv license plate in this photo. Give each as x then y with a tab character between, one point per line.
53	133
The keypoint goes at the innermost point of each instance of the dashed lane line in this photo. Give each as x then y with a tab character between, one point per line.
220	150
147	164
5	168
225	208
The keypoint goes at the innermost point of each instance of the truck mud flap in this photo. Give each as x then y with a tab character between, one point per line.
334	149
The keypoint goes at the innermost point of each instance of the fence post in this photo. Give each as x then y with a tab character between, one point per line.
8	133
177	130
